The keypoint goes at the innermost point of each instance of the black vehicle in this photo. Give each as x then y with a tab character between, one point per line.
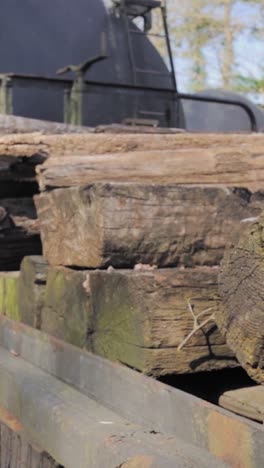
110	70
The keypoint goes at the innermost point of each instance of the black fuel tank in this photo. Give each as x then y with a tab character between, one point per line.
38	37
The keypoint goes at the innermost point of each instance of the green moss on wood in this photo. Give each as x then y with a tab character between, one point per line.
67	311
2	294
119	324
31	290
11	298
9	295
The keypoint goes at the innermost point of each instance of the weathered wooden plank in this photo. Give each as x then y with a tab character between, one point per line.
141	317
115	314
29	145
240	166
20	153
124	224
79	432
236	158
15	449
136	317
70	305
15	124
144	129
66	311
241	315
54	300
31	290
9	301
248	402
237	441
22	293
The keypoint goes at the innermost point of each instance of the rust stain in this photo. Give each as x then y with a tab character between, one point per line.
13	325
19	327
229	440
113	440
7	419
140	461
58	345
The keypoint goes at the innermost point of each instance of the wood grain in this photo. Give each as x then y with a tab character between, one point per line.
10	124
247	402
16	451
124	224
79	432
31	290
141	317
231	159
235	440
28	145
241	315
66	311
137	317
238	166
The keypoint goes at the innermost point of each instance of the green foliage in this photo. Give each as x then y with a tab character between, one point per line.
246	84
205	35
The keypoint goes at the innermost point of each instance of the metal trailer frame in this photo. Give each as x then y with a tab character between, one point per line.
73	97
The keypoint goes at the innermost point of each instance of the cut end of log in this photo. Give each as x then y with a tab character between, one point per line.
240	317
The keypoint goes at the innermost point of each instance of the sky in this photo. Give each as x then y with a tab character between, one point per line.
249	54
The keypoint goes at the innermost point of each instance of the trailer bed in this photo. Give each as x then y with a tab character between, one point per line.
86	411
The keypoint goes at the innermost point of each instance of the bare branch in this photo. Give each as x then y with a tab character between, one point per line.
196	325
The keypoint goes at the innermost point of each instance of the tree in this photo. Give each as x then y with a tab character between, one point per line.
246	84
207	35
230	29
193	28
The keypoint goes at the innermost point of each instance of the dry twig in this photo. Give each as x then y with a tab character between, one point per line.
196	325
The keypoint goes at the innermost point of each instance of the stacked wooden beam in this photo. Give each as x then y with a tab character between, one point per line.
19	156
133	230
10	124
77	159
139	317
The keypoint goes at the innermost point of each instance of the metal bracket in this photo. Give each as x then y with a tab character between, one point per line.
6	95
73	101
141	122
